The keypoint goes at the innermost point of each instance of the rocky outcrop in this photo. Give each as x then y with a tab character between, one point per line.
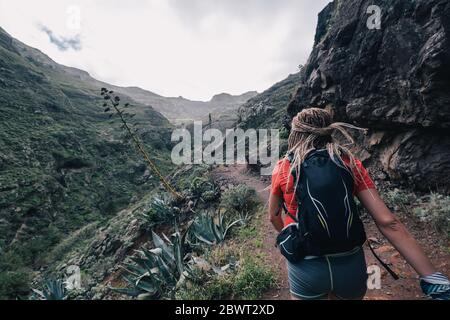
267	109
394	80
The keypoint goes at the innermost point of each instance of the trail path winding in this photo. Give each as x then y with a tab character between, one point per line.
407	288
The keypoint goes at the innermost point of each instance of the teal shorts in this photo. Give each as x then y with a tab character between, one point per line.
342	275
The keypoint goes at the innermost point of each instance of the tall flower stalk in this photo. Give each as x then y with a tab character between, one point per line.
112	103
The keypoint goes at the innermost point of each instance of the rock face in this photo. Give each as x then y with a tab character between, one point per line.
267	110
394	80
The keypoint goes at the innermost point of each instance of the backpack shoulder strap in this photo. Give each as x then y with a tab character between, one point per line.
290	158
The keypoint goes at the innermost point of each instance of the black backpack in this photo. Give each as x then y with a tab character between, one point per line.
327	219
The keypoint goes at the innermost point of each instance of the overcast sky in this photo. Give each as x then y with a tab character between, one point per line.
189	48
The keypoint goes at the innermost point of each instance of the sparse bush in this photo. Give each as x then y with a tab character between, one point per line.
241	200
435	209
398	200
204	190
14	284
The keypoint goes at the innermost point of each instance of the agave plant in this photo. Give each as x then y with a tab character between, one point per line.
155	274
161	210
211	230
203	190
52	290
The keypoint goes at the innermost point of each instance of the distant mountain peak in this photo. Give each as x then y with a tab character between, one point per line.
226	97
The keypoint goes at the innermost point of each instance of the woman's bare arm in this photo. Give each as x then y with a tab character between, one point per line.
396	232
275	205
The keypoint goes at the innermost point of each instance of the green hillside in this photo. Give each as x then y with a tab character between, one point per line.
63	165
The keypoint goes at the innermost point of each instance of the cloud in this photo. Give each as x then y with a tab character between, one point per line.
189	48
62	43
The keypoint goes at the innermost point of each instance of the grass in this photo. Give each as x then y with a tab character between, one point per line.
254	274
252	279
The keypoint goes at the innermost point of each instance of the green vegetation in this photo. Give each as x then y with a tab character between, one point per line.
433	208
251	280
14	284
211	230
203	190
399	200
203	261
240	200
52	290
162	210
63	165
154	274
113	103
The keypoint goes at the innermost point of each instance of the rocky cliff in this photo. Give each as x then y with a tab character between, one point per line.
394	80
268	109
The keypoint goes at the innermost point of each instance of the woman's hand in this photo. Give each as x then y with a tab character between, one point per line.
396	232
275	206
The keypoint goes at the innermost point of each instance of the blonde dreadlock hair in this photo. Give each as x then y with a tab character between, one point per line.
314	129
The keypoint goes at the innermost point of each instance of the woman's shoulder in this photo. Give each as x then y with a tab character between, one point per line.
282	165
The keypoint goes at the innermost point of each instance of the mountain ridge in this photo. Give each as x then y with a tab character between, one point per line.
176	109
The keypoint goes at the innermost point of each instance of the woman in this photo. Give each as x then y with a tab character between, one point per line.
341	275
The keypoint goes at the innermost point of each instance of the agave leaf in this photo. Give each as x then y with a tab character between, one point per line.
129	279
157	251
218	230
136	269
201	238
179	255
146	285
151	255
55	290
167	239
39	293
148	296
159	243
165	271
230	226
181	281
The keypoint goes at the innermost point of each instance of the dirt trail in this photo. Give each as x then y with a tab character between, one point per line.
406	288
